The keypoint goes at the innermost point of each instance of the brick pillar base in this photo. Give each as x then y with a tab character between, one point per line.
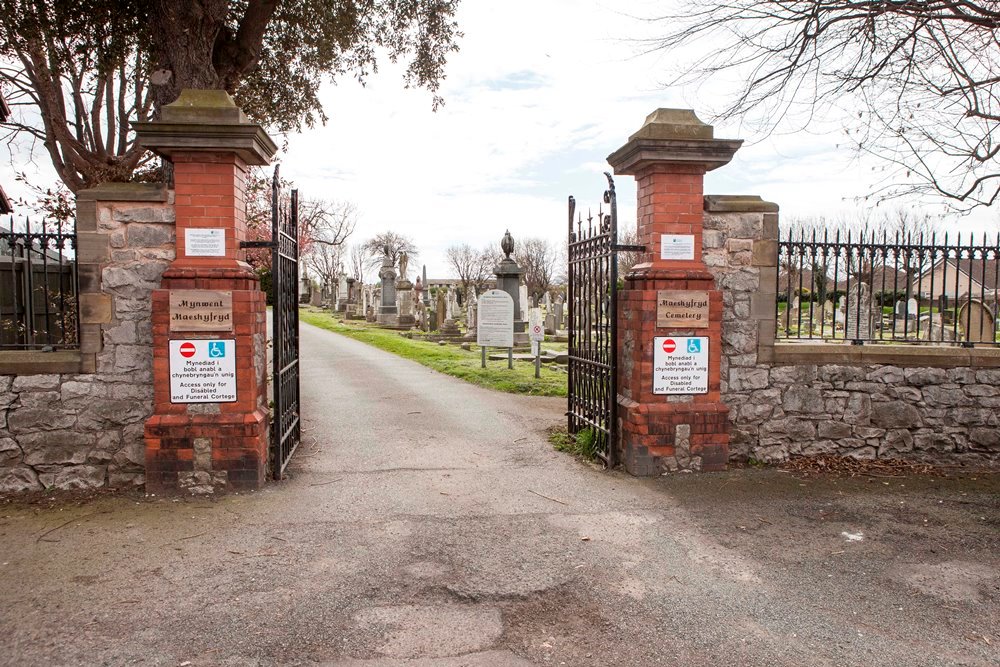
201	447
668	433
661	432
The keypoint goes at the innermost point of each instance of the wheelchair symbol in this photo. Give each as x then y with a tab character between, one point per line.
693	346
216	349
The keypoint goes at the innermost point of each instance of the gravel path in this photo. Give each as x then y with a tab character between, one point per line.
428	522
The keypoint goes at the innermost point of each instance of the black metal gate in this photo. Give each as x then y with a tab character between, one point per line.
285	426
593	334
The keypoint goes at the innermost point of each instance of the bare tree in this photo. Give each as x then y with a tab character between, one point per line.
396	244
358	262
627	258
324	262
919	79
327	222
540	260
472	267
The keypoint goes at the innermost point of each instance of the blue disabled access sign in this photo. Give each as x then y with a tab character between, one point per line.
203	371
680	365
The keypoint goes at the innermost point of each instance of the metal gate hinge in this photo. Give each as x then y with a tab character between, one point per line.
628	248
257	244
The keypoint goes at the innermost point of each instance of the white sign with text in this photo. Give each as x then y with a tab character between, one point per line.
204	242
680	365
676	246
203	371
496	319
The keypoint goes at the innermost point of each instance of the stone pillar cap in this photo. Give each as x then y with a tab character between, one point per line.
206	121
674	124
673	136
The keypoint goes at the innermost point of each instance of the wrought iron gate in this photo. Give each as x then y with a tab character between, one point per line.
593	334
284	245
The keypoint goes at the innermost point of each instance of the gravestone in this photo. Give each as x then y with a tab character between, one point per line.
441	310
388	312
404	300
342	292
523	292
427	289
859	312
912	309
900	310
559	310
977	322
470	313
450	326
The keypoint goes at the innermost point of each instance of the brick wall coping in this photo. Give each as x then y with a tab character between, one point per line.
895	355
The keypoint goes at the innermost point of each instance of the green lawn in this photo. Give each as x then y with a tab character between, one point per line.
449	359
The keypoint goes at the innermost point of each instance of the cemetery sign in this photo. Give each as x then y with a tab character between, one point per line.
203	371
680	365
496	319
682	308
201	310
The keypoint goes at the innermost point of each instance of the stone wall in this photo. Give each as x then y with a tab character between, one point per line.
84	429
934	404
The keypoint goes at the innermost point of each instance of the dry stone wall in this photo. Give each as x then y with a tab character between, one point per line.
831	406
85	430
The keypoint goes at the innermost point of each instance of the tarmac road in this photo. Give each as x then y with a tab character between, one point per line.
428	522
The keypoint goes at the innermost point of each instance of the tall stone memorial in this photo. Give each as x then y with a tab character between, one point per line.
209	427
388	312
670	312
509	280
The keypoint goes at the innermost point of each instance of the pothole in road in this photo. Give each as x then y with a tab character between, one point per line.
435	631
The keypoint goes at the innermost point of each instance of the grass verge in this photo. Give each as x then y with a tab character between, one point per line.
583	444
448	359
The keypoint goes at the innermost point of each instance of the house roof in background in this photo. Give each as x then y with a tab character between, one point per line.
5	206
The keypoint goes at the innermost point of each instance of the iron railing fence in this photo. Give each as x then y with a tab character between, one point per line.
875	287
39	305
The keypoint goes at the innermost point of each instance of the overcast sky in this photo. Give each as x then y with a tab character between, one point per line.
538	96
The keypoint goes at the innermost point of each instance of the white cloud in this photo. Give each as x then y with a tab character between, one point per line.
537	97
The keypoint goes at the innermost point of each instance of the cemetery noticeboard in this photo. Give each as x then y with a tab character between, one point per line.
496	319
682	308
203	371
201	310
204	242
680	365
677	246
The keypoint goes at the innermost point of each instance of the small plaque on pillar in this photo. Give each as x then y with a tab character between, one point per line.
677	246
204	242
684	309
201	310
680	365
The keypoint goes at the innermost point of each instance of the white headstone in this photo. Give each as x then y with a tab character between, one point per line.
912	309
523	294
859	312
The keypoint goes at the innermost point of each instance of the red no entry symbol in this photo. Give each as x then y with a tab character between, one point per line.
669	345
187	350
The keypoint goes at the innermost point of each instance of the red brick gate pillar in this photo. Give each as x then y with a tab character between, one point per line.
209	428
670	314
